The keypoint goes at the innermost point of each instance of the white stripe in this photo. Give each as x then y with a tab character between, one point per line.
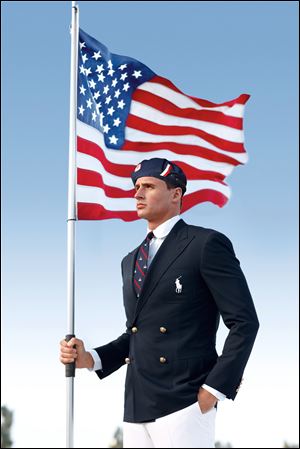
154	115
96	195
87	162
134	157
134	135
165	170
183	101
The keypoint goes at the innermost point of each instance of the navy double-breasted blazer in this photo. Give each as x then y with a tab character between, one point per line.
169	343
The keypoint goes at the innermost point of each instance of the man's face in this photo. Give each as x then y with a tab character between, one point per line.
154	200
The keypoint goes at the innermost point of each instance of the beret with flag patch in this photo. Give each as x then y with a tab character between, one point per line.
162	169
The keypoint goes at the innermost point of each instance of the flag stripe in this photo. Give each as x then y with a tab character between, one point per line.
154	129
147	112
95	195
163	105
122	163
92	211
165	89
112	172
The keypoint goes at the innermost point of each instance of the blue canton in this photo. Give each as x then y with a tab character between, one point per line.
106	83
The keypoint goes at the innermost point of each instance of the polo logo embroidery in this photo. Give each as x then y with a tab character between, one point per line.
178	285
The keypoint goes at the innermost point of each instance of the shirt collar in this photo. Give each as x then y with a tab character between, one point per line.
163	229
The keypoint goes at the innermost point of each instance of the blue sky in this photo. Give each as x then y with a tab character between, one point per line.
212	50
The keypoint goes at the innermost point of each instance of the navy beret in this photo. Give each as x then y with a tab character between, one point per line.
162	169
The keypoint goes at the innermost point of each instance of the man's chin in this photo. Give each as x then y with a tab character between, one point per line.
142	213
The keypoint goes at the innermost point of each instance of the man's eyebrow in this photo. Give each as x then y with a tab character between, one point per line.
144	184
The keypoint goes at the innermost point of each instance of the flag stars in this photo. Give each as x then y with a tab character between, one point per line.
99	68
113	139
84	58
89	103
82	89
123	66
121	104
117	93
82	69
98	106
114	82
92	84
117	122
88	71
137	74
109	64
108	100
81	110
106	89
94	116
111	72
123	76
97	55
106	128
82	44
101	77
96	95
110	110
126	87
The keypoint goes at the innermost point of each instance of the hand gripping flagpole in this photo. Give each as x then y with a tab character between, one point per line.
70	368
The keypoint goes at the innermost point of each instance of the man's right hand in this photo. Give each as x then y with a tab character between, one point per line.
68	354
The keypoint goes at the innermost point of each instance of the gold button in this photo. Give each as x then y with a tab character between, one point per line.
134	330
127	360
162	360
163	330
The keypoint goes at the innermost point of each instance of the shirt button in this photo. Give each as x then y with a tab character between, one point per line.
162	360
127	360
163	330
134	330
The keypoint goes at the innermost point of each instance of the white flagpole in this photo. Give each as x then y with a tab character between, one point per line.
70	368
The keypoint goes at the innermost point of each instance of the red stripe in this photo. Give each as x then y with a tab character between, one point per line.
145	255
92	149
164	130
242	99
137	264
89	211
87	147
137	284
94	179
179	148
169	108
88	177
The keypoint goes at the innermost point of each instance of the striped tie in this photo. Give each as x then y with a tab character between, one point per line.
141	265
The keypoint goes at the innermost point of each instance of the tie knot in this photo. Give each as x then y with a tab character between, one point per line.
150	235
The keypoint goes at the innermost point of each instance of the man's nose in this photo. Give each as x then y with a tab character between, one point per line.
138	194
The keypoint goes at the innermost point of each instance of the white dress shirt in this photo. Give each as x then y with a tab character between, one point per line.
160	233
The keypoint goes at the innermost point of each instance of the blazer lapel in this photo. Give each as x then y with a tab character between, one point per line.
130	298
176	241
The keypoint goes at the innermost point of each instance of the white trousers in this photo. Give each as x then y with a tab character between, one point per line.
188	427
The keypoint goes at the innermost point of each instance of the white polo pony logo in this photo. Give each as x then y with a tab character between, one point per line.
178	285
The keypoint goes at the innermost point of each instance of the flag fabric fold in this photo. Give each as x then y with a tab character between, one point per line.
127	113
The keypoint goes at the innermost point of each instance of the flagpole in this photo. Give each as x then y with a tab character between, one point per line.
70	368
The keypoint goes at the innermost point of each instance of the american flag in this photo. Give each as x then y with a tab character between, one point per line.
127	113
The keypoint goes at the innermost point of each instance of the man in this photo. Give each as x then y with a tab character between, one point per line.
175	287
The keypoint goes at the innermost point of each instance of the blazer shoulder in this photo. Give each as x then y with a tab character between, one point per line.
205	233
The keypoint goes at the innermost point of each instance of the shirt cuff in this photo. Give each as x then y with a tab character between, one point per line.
97	360
220	396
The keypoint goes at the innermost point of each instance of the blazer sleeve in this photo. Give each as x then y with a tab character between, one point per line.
113	355
224	278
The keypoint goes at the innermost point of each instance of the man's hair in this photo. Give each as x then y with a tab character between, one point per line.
171	186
